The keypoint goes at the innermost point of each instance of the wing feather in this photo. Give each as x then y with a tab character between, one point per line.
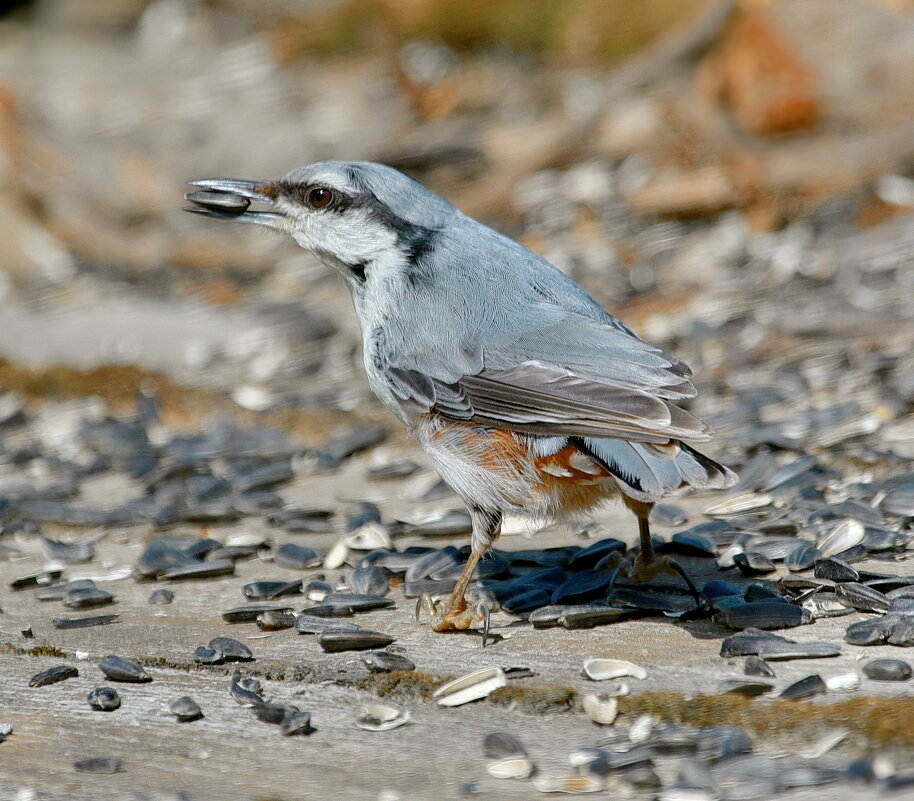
570	375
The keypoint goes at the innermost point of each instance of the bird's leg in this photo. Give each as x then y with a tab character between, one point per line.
453	613
647	564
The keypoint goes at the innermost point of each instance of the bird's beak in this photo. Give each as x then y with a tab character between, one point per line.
229	199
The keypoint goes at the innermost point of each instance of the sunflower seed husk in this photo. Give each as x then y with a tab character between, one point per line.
208	656
601	709
846	534
804	688
825	743
232	650
117	668
185	709
500	745
85	597
750	563
250	613
275	620
843	682
382	718
765	615
870	632
887	670
802	557
745	687
862	598
104	699
516	767
83	622
296	723
835	569
357	602
246	692
297	557
53	675
385	661
371	581
335	640
470	687
160	596
568	784
218	201
101	764
268	590
603	669
802	650
756	666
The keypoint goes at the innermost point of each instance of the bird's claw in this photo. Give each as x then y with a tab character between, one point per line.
642	570
456	618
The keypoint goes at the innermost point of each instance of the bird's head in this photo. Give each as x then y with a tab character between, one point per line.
359	217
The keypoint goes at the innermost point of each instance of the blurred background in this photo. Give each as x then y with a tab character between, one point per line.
734	179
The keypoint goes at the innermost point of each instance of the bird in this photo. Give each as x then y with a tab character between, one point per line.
527	397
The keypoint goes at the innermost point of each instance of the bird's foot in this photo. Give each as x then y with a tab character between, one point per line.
454	615
642	570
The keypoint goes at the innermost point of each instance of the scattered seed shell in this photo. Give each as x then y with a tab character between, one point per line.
602	709
470	687
382	718
603	669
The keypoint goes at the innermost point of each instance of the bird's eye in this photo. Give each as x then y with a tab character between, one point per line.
320	197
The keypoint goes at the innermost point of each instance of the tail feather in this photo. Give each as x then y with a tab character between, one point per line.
649	472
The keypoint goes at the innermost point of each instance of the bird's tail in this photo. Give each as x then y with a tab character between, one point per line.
648	472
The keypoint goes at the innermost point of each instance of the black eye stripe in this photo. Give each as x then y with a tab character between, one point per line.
358	271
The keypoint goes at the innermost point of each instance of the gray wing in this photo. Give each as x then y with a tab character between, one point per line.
575	376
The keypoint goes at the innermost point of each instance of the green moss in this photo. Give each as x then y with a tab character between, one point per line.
537	700
35	650
882	721
404	684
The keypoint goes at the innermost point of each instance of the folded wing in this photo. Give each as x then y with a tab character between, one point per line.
577	377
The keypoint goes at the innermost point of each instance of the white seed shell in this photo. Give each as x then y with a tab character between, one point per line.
601	709
603	669
516	767
739	503
825	744
574	785
843	683
846	534
641	729
336	556
382	718
369	537
470	687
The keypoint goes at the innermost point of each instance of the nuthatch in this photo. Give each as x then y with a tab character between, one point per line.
526	395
